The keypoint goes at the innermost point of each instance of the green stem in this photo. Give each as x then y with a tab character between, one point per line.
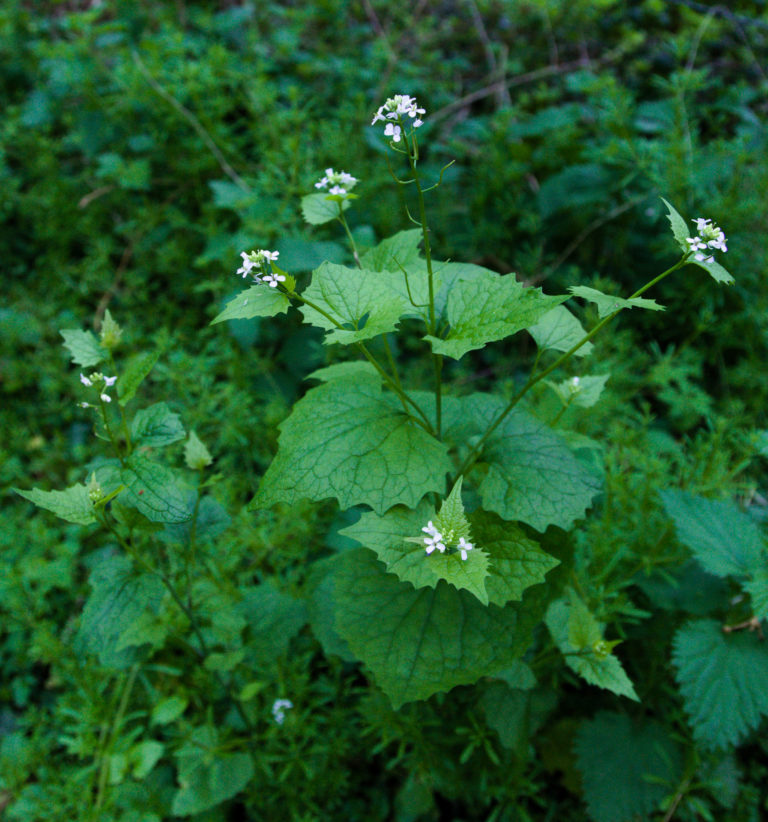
110	432
123	419
343	220
532	380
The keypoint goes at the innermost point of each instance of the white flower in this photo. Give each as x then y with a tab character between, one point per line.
434	540
575	384
273	279
340	181
392	131
110	381
710	236
105	397
279	707
395	109
463	547
85	381
248	264
258	260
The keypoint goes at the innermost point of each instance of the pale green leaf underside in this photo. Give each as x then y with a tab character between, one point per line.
345	439
489	307
607	304
723	679
530	474
72	504
83	346
364	303
559	330
317	209
679	228
257	301
723	539
627	767
420	641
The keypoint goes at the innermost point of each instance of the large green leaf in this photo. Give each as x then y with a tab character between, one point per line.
156	426
420	641
348	440
627	767
723	679
401	249
526	471
486	308
725	540
559	330
359	304
257	301
607	304
73	504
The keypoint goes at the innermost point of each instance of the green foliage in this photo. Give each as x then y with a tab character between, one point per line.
607	304
73	505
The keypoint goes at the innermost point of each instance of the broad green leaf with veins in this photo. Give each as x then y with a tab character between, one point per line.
489	307
83	346
257	301
348	440
420	641
715	270
526	471
607	303
318	209
559	330
73	504
401	249
679	227
365	303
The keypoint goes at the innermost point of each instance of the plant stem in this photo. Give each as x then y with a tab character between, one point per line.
532	380
123	420
343	220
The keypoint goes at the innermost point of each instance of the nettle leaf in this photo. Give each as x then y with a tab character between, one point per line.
608	304
679	227
348	440
119	597
257	301
208	775
627	767
526	471
365	303
72	504
156	426
578	635
725	540
417	642
486	308
83	346
559	330
402	249
318	209
134	374
723	679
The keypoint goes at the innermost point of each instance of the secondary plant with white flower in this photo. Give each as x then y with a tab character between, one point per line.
338	183
394	111
710	236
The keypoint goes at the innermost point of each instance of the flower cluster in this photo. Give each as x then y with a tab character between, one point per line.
258	264
279	707
710	236
393	110
340	182
99	381
436	541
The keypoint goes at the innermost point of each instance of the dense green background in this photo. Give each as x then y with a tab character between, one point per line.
144	145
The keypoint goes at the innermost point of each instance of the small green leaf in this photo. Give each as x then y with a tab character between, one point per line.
366	450
169	709
357	304
451	519
257	301
608	304
144	756
110	332
715	270
156	426
134	375
559	330
489	307
196	455
318	209
585	393
679	228
723	679
208	775
83	347
72	505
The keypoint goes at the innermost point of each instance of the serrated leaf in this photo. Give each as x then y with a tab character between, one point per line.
196	455
366	450
608	304
257	301
577	634
723	679
212	520
208	775
420	642
364	303
451	519
119	596
486	308
73	504
679	227
723	539
156	426
627	767
274	618
757	588
83	346
134	375
559	330
715	270
402	249
526	471
317	209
